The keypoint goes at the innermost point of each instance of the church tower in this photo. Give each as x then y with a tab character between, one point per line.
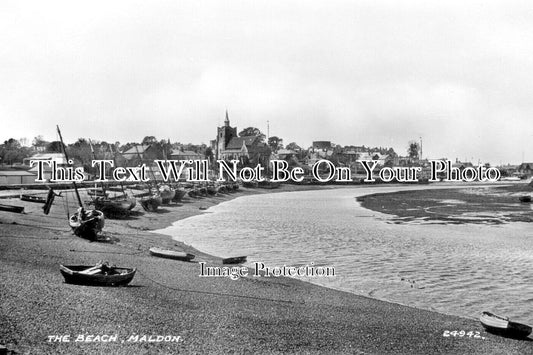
224	136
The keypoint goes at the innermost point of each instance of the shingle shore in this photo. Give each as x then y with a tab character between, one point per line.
179	312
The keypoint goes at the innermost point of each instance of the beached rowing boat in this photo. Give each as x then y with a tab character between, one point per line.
32	198
180	194
99	275
502	326
10	208
171	254
234	260
525	198
151	203
87	223
114	207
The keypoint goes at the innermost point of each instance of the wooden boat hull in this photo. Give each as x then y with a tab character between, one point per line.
525	198
180	194
152	203
113	208
171	254
234	260
167	194
212	190
89	226
10	208
33	198
502	326
112	276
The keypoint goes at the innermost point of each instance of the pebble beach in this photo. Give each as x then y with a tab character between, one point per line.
168	308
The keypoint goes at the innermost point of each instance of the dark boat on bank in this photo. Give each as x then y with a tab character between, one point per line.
87	223
10	208
32	198
212	189
119	207
234	260
151	203
525	198
167	194
503	326
99	275
180	194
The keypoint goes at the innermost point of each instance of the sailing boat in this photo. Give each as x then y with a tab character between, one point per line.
84	223
112	207
153	200
166	191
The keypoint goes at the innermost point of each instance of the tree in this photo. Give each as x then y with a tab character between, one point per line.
81	151
209	155
275	143
252	131
54	147
293	146
412	150
149	140
10	151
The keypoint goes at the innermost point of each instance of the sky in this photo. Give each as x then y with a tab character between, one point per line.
456	74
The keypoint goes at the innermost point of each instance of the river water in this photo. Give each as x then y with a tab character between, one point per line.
453	269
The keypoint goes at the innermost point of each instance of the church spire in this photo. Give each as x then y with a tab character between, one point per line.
226	121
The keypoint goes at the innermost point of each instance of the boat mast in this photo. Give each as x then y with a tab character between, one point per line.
149	166
94	158
115	164
66	157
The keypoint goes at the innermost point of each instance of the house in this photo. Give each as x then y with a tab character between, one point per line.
322	145
179	154
14	177
285	154
380	158
140	153
58	157
248	149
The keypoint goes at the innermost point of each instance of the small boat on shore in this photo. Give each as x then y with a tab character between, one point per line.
87	223
234	260
171	254
212	189
151	203
167	194
525	198
99	275
114	207
84	223
32	198
180	194
503	326
10	208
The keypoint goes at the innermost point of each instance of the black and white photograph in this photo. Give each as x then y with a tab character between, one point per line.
266	177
